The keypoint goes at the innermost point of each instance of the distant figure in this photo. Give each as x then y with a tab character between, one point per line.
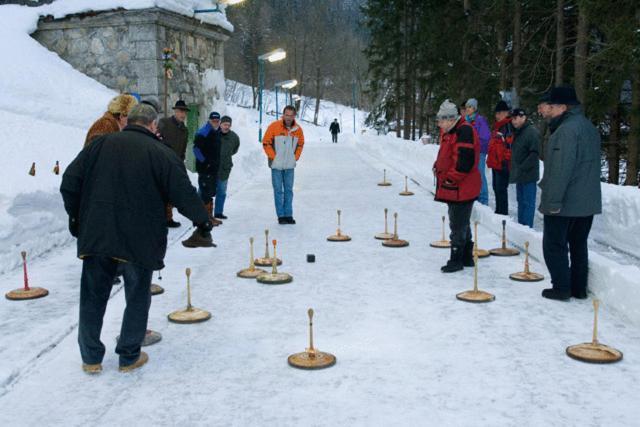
335	130
115	193
571	194
175	134
283	144
499	156
114	119
229	146
525	165
479	123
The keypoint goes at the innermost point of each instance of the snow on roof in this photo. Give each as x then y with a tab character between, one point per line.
62	8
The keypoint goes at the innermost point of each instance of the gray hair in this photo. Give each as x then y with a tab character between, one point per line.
143	114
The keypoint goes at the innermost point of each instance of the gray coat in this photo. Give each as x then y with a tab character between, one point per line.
571	181
525	158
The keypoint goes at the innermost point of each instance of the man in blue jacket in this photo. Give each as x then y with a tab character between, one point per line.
206	148
571	194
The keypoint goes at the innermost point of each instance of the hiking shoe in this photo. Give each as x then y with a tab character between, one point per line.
290	220
142	359
556	294
199	239
220	216
94	369
282	220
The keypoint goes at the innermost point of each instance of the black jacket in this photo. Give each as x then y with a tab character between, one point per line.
117	189
525	156
334	128
206	148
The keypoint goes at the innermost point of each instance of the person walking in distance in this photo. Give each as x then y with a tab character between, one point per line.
175	134
283	143
334	128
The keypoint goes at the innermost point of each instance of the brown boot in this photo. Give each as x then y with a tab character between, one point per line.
170	222
199	240
92	369
209	207
142	359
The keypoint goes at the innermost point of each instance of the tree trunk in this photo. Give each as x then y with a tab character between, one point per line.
398	99
613	152
559	42
581	52
316	112
517	50
634	135
502	53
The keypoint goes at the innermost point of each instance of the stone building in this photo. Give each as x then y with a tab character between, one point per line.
123	49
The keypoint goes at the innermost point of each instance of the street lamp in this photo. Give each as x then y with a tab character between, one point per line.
273	56
286	85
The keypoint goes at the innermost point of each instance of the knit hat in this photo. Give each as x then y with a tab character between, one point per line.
563	95
518	112
472	102
448	110
501	106
214	116
225	119
122	104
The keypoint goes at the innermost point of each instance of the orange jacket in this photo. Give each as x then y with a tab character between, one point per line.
278	129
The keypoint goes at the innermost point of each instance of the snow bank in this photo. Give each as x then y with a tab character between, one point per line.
613	281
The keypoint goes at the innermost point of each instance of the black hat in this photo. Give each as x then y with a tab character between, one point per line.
563	95
501	106
225	119
214	115
544	98
181	105
518	112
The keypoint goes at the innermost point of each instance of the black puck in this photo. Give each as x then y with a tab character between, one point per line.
311	258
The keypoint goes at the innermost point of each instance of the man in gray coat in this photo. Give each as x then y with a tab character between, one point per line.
571	194
525	165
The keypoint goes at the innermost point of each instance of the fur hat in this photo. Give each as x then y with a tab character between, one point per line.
122	104
448	110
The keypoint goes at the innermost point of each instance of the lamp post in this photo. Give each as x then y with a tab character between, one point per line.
273	56
287	85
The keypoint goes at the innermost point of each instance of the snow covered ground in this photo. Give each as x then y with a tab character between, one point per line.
408	352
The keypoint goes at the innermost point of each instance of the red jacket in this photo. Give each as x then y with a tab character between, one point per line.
499	154
456	168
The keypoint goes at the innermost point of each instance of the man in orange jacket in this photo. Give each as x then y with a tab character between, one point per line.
283	144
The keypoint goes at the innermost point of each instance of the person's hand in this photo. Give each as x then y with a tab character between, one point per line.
73	226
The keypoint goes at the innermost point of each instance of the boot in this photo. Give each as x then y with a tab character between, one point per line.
455	261
142	359
170	222
467	255
557	294
579	294
199	239
92	369
209	207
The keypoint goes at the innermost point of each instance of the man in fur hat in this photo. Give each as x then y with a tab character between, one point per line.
114	119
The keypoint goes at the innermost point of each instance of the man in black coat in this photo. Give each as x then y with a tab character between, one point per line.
334	128
525	165
115	192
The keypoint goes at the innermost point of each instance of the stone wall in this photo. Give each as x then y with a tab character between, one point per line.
123	50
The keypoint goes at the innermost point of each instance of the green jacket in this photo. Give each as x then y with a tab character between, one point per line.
230	143
571	181
525	158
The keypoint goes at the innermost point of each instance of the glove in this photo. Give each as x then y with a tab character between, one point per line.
73	226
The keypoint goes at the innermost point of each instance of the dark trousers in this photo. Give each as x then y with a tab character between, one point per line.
500	185
98	273
206	187
460	223
334	137
563	238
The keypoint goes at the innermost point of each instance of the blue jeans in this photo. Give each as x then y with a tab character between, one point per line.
221	196
484	191
282	181
98	273
526	195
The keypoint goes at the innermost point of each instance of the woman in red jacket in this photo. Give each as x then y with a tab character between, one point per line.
458	181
